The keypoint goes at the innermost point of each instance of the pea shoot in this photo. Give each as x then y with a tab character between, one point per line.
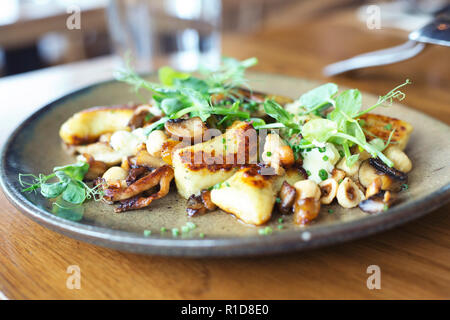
341	126
179	94
68	187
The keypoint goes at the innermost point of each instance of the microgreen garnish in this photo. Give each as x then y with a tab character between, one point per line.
180	93
69	187
341	126
318	98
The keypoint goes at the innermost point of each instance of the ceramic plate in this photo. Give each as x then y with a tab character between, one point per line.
35	147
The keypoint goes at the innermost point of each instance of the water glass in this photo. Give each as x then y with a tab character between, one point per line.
184	34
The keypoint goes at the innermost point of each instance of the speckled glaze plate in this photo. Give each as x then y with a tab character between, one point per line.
35	147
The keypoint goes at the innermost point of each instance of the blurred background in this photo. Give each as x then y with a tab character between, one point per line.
188	33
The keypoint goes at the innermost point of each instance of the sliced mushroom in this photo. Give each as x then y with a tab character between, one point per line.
200	204
144	159
368	173
328	189
392	172
164	176
140	117
192	128
287	198
135	174
348	194
378	202
397	177
96	168
101	151
143	184
306	210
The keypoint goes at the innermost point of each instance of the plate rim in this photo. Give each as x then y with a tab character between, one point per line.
312	237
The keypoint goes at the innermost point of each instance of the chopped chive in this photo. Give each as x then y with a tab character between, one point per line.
330	210
323	174
269	153
308	172
175	232
280	226
163	229
266	231
280	220
405	186
322	150
201	235
341	153
386	207
325	158
277	200
339	182
191	225
147	233
185	229
388	126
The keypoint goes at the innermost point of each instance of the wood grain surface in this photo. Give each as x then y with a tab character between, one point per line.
414	259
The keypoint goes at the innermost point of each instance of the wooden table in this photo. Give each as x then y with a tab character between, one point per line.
414	258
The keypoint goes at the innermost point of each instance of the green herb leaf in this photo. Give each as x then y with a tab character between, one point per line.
74	193
75	171
349	102
66	210
171	105
319	130
167	75
319	96
52	190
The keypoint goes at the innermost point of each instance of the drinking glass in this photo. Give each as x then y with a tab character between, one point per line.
184	34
